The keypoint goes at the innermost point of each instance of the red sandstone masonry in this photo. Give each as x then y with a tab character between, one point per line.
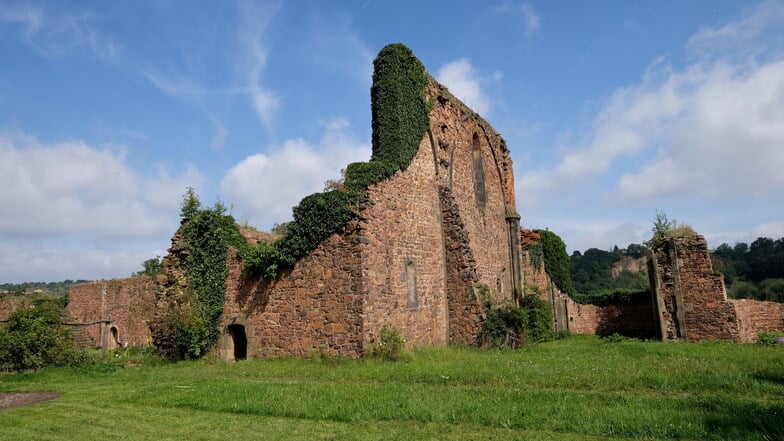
756	316
316	306
128	305
10	304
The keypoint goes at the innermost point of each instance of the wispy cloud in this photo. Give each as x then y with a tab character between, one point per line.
525	12
53	34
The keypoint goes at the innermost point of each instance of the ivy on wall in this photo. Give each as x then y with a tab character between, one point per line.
399	111
189	332
556	261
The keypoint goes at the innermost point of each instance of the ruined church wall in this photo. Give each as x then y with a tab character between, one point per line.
128	305
403	260
472	160
635	319
691	296
315	306
757	316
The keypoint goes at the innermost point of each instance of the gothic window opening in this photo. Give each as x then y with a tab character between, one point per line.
479	174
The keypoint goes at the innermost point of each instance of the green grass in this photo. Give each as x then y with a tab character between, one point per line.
580	388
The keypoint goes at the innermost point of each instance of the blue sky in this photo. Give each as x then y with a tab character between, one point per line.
612	110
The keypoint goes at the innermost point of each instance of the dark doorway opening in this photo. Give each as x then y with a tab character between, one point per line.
239	341
113	341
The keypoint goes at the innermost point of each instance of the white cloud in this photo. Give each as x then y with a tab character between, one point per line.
73	188
465	83
264	187
713	129
773	230
743	34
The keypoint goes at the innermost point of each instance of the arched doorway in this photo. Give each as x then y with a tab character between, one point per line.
239	342
113	341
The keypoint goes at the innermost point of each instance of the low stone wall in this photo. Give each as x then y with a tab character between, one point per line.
127	305
634	319
756	316
8	305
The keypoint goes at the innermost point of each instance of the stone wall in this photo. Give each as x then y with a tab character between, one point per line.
403	260
756	316
690	298
473	162
635	319
125	305
10	304
316	306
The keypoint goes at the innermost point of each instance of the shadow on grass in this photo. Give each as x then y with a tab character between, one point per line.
770	376
730	419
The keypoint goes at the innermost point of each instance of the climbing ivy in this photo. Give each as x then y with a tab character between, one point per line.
399	111
190	332
556	261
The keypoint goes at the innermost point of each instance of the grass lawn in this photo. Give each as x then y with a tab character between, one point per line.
580	388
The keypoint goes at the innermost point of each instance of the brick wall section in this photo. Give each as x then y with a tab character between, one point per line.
402	225
8	305
465	307
694	298
629	319
129	305
315	306
453	126
757	316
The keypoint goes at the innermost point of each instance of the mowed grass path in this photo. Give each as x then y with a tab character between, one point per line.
581	388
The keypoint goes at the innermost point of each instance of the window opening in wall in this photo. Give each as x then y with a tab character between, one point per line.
114	341
411	283
479	174
239	341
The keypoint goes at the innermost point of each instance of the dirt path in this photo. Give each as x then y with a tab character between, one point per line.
15	399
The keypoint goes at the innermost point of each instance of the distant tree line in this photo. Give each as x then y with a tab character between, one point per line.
30	288
592	275
752	271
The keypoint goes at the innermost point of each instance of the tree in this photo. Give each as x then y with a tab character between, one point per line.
151	267
33	338
190	204
662	224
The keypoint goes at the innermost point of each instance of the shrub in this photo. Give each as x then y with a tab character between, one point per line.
510	327
34	338
768	338
389	347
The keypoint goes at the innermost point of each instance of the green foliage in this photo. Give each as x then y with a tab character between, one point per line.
34	338
30	288
389	347
400	121
191	331
665	228
511	327
536	255
769	338
753	271
613	297
398	107
152	267
190	204
556	261
359	175
592	275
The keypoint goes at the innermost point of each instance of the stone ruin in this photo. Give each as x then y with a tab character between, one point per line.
432	246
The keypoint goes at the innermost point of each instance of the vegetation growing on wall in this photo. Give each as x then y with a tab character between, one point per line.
190	330
400	121
556	261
